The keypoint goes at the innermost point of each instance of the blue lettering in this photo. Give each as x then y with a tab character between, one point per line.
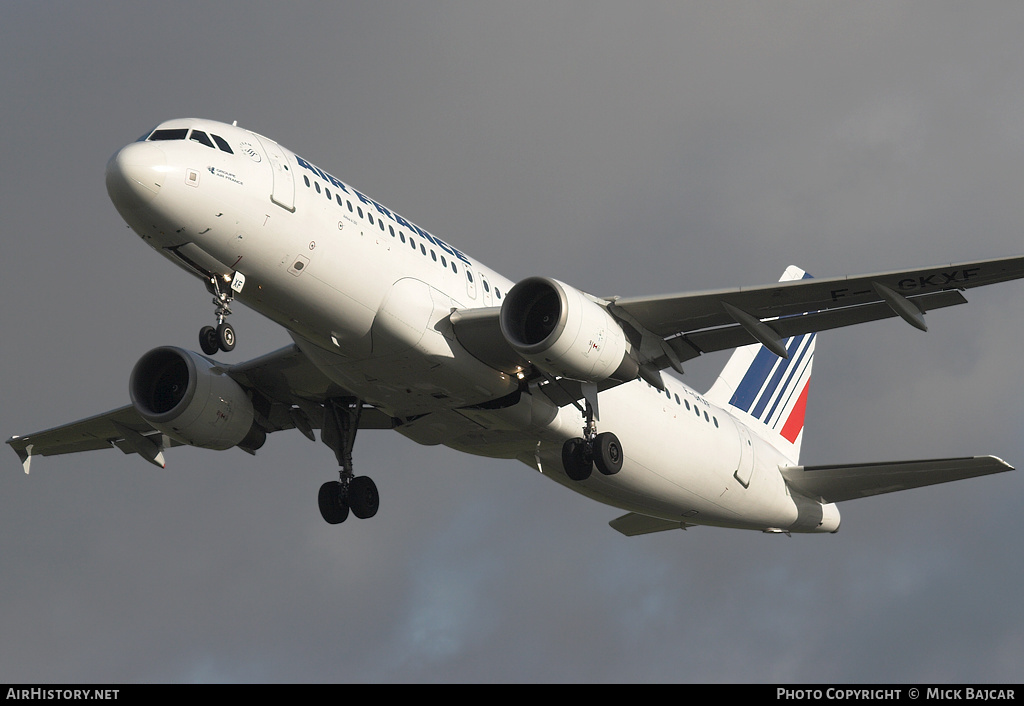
320	173
455	252
304	164
444	246
424	233
337	183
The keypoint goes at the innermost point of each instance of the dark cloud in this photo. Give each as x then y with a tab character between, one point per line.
625	151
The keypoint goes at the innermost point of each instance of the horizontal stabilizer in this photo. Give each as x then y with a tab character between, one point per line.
634	523
834	484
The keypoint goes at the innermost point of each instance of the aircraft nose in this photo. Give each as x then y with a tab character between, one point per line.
135	174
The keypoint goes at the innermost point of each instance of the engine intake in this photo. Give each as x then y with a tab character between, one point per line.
189	399
565	332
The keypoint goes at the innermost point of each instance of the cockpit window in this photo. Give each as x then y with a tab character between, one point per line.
196	136
222	143
201	138
175	134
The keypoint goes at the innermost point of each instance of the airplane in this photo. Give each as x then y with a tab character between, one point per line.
395	328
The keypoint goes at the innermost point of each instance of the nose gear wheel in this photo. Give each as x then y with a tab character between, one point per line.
222	337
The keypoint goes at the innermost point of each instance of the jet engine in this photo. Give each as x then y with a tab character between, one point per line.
191	400
565	332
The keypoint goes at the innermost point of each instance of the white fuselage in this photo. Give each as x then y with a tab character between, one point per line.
366	295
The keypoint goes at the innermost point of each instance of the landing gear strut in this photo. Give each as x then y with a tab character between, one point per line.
221	338
580	455
357	494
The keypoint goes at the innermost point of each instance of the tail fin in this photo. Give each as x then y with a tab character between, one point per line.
768	392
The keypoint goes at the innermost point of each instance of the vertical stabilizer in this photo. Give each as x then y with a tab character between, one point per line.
767	392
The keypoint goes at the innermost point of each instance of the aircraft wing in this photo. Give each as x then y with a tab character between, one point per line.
701	322
288	392
103	431
837	483
670	329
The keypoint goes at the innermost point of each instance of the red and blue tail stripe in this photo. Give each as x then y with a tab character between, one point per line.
774	390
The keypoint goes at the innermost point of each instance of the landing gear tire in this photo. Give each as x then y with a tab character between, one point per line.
208	340
226	337
363	498
332	503
577	463
607	453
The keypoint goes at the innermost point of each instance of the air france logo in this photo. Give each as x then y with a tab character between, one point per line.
248	149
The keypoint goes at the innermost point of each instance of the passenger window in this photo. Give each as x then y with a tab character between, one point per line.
222	143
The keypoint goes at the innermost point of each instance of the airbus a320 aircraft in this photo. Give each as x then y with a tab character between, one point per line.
394	328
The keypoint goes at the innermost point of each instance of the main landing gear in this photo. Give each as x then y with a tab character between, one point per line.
580	455
357	494
221	337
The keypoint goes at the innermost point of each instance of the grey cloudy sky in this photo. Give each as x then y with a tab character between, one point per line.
624	148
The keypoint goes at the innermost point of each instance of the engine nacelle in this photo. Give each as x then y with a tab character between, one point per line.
183	395
564	332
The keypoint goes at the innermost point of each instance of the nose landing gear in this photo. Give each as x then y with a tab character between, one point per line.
221	337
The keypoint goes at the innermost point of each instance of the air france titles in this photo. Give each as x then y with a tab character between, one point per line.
454	252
